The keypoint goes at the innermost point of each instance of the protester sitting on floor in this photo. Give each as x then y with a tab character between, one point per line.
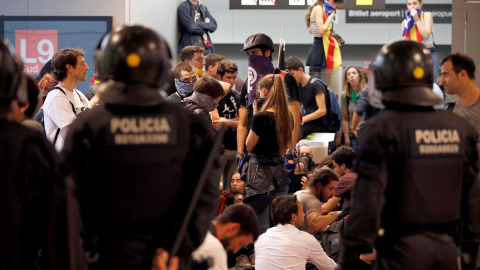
286	247
321	187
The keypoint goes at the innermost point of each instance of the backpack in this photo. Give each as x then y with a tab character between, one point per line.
333	119
330	238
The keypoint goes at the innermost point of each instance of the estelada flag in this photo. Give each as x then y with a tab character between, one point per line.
330	45
410	30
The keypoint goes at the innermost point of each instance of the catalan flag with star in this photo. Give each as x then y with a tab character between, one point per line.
410	30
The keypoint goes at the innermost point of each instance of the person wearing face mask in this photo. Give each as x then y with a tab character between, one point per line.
259	49
185	78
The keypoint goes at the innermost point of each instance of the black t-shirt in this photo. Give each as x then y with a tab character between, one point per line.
291	88
263	124
228	108
309	102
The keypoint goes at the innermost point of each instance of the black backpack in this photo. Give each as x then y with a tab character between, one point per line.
333	119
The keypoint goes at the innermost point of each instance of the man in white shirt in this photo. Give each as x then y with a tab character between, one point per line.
64	102
235	228
285	246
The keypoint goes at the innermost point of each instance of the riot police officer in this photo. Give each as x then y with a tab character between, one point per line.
137	158
417	170
32	231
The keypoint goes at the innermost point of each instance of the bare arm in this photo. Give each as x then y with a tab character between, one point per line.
344	131
355	121
231	123
160	260
242	129
252	140
294	107
94	101
215	115
330	204
321	111
318	15
424	29
317	222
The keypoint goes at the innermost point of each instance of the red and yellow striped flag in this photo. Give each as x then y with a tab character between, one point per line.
330	45
413	34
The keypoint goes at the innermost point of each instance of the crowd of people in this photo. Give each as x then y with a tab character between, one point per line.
212	173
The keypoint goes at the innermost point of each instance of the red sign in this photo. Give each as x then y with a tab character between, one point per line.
35	47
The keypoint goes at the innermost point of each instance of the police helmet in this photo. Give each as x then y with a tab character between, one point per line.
257	40
403	72
133	54
11	75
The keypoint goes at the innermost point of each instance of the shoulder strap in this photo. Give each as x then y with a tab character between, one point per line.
348	102
73	109
450	106
328	104
59	88
79	96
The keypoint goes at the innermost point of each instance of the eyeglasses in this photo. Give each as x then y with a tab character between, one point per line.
200	59
194	79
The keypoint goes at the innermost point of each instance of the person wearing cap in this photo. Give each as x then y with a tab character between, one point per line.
259	49
417	170
137	158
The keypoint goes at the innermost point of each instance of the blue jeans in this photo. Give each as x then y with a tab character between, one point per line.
264	217
436	66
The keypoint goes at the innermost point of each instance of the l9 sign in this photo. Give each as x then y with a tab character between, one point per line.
35	47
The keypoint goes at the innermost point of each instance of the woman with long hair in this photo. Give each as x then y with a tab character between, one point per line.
269	137
355	82
325	51
418	26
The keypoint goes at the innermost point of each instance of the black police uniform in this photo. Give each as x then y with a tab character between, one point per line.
32	189
31	201
417	172
412	171
136	160
137	168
